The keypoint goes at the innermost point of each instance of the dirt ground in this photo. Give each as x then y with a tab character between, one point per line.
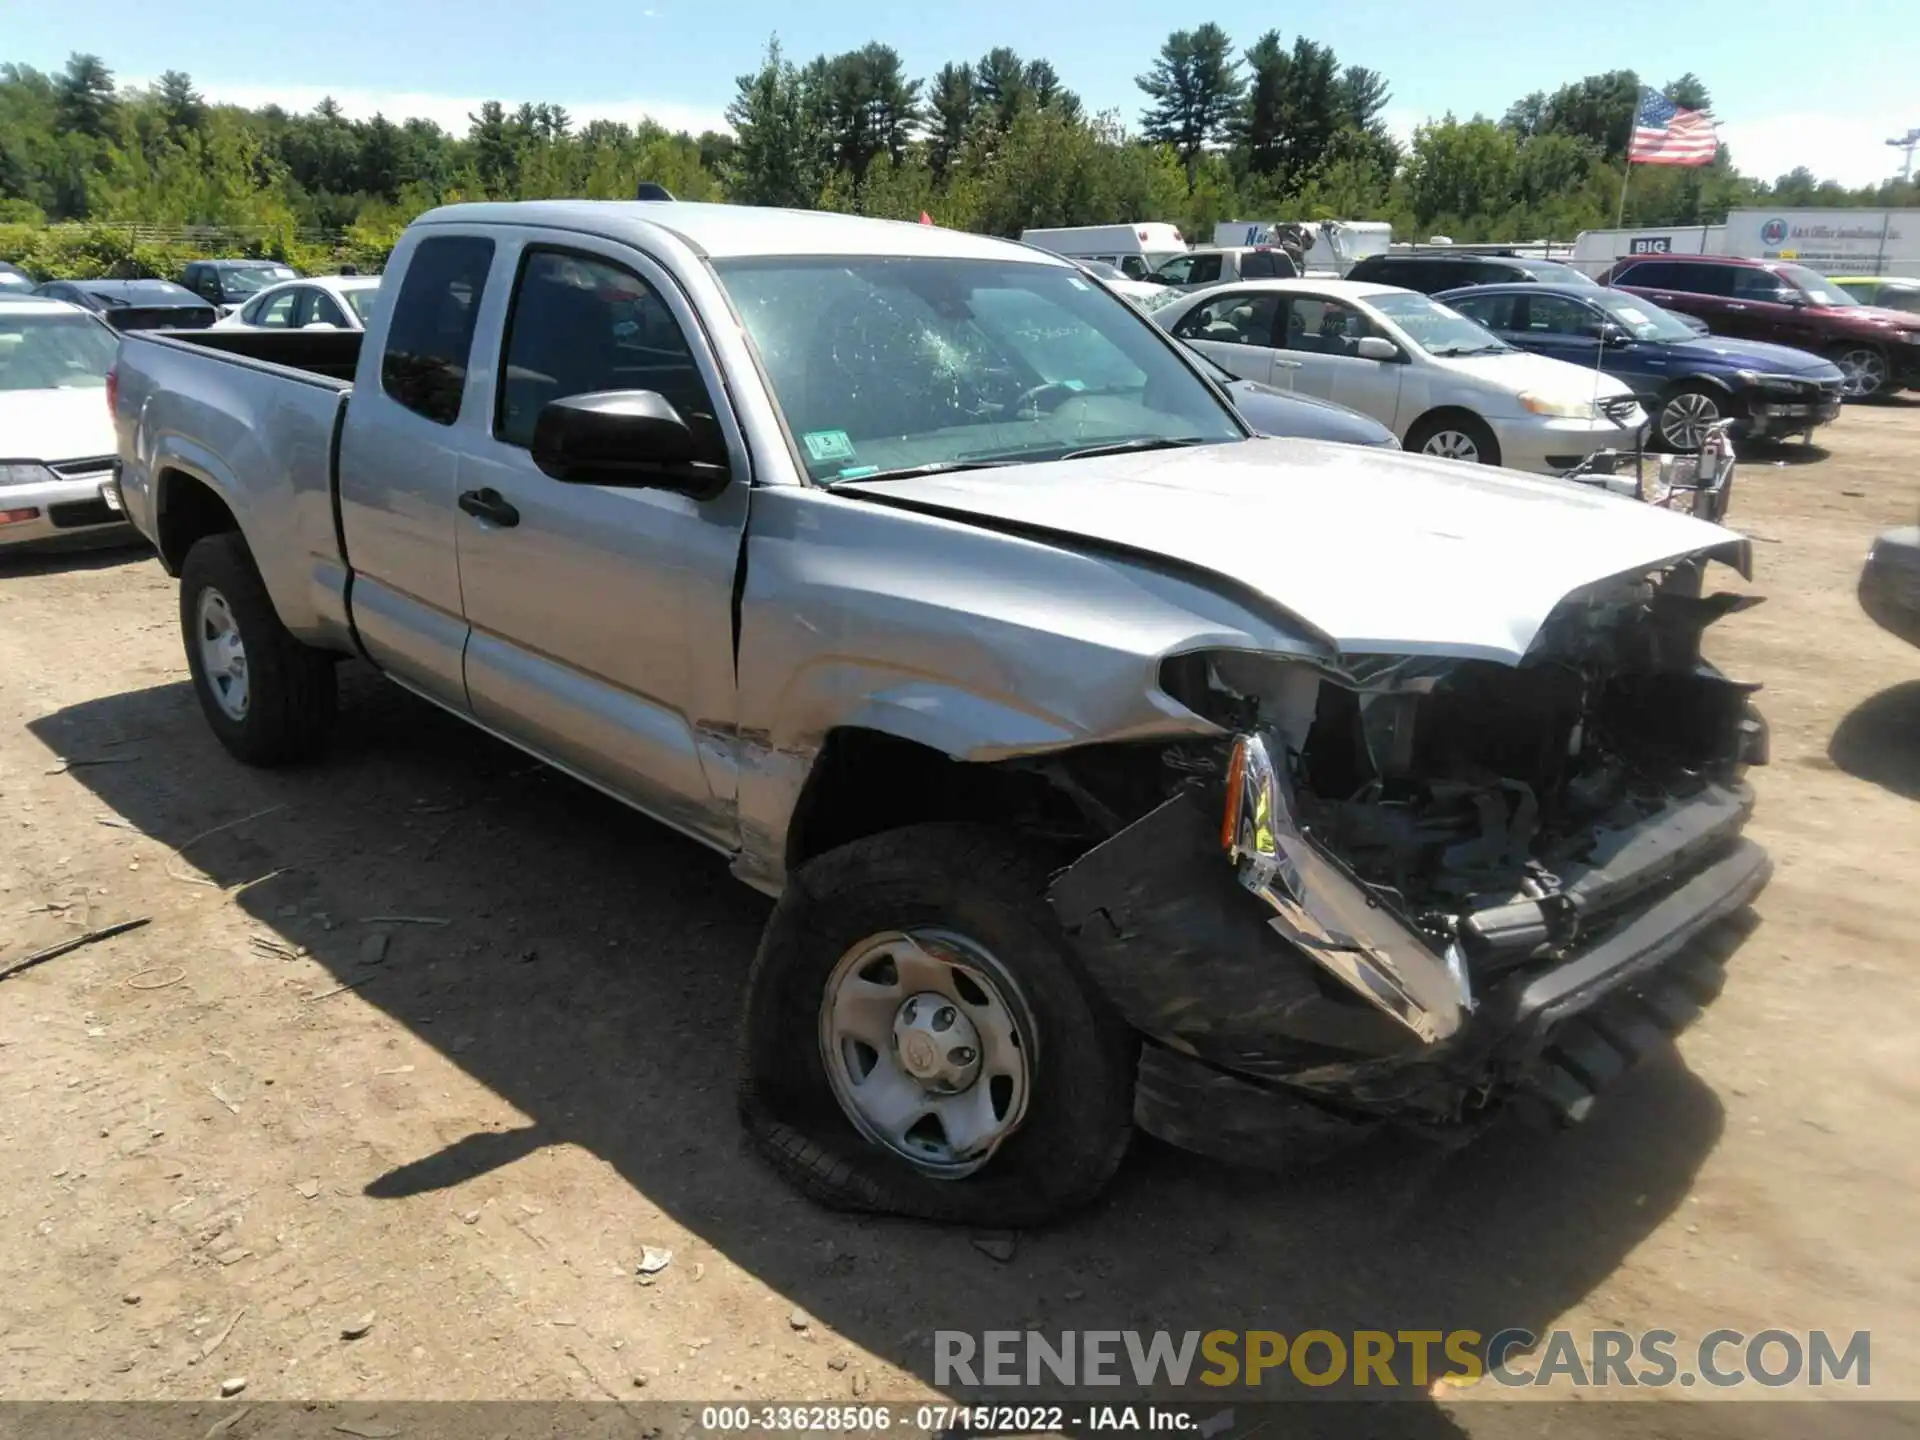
238	1132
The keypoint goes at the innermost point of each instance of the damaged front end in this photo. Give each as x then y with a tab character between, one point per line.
1418	889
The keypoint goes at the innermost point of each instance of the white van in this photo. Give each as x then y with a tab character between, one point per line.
1337	244
1133	249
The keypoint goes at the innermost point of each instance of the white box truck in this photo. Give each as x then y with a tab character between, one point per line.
1134	249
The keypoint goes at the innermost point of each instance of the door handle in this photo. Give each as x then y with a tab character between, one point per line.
490	505
1286	364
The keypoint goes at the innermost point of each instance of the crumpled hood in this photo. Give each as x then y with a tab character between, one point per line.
55	425
1380	552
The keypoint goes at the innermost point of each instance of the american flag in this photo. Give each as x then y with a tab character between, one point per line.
1664	134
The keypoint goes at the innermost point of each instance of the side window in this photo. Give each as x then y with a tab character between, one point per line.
579	325
1758	285
1651	275
1241	319
1493	311
1557	315
320	309
277	310
1206	270
1324	327
1133	267
431	334
1175	272
1258	265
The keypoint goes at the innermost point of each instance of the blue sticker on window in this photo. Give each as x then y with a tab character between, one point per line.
854	472
825	445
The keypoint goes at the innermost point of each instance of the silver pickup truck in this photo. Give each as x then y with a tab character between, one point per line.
1114	767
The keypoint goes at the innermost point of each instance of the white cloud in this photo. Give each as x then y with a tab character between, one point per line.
450	112
1849	148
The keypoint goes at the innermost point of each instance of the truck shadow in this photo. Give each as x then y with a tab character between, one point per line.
590	976
1879	740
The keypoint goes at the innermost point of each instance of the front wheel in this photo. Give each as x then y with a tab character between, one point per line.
269	699
1865	370
917	1040
1685	418
1455	437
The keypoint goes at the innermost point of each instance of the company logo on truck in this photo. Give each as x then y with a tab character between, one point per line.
1773	232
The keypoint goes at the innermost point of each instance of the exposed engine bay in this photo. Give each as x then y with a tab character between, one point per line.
1466	850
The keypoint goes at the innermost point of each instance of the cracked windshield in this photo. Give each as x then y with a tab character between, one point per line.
891	366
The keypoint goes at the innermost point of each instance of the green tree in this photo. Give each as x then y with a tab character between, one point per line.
951	104
181	106
1196	89
85	96
1259	128
779	156
1000	86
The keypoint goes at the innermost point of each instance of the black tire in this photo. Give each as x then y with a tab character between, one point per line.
985	884
1707	404
1867	368
1471	426
291	688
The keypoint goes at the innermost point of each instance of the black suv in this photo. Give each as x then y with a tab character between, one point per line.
1430	272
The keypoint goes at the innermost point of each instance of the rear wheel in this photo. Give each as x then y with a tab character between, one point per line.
917	1040
1455	436
1685	416
1865	369
269	699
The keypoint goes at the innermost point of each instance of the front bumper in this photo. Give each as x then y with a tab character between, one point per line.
1890	583
79	509
1774	413
1255	1055
1550	445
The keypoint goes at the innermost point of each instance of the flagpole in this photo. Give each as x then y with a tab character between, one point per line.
1620	219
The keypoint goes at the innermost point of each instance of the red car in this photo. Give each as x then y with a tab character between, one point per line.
1786	304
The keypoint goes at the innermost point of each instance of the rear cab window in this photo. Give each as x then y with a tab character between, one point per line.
430	335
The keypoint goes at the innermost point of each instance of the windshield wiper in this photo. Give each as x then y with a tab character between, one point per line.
910	472
1144	442
1456	351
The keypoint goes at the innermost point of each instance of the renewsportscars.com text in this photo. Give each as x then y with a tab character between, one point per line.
1376	1359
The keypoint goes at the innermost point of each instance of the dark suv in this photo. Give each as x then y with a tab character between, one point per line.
1775	300
1430	273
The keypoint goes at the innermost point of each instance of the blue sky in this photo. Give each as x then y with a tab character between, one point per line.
1793	84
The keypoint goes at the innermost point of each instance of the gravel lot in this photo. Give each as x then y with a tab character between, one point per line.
239	1132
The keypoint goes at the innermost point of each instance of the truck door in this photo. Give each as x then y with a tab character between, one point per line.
602	615
399	466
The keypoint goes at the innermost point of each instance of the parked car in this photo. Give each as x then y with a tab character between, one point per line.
1438	380
1029	681
1786	304
1285	412
1685	381
1224	264
1889	292
229	284
13	279
1431	272
135	304
337	302
56	434
1890	583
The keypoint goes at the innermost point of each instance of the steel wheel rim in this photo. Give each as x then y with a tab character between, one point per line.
1452	445
942	1091
1685	418
1866	371
223	655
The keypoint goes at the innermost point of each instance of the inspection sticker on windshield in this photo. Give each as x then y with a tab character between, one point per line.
825	445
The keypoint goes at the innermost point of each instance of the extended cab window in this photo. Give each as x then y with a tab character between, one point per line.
579	325
431	334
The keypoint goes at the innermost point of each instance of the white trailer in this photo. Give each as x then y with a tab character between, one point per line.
1134	249
1337	244
1834	242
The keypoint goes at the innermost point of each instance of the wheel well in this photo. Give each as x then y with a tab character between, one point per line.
1441	414
865	781
189	511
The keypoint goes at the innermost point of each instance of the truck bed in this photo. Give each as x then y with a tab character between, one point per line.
251	417
328	355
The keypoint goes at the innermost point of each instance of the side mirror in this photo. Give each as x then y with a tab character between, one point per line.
1375	347
624	437
1787	295
1614	335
